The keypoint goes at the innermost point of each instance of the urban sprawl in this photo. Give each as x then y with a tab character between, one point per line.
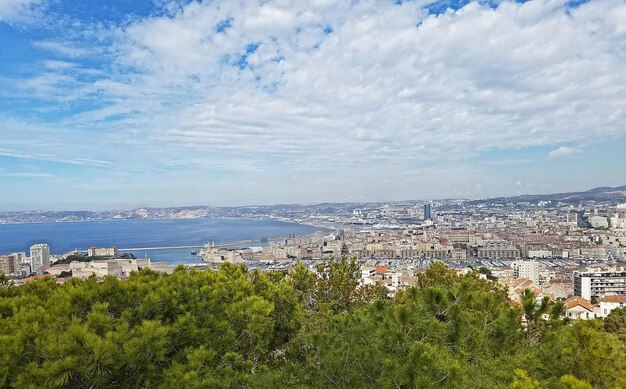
568	252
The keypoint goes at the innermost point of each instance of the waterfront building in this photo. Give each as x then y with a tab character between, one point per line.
39	256
102	251
8	264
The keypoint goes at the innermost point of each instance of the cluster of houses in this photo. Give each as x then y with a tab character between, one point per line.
580	308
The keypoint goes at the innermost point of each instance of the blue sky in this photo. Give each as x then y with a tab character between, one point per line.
120	104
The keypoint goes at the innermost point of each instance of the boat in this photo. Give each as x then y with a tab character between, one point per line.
194	252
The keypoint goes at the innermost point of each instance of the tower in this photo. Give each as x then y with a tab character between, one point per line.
39	256
427	215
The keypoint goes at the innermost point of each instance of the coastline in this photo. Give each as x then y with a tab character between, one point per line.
63	237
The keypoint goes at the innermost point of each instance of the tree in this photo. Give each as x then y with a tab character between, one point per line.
487	272
521	380
569	381
615	322
303	282
235	328
336	282
436	274
533	311
5	281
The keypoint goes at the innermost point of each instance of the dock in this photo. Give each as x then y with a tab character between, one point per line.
219	244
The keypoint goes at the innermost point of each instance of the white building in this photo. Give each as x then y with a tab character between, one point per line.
609	303
590	285
539	253
599	222
526	269
102	251
39	256
96	268
578	308
111	267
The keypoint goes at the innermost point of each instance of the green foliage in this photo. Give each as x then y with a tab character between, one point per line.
616	321
487	272
570	382
521	380
336	282
233	328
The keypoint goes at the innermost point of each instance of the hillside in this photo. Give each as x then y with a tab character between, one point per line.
238	329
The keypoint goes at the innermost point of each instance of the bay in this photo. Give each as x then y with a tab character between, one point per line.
65	237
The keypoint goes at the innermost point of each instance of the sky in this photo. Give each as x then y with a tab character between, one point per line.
131	103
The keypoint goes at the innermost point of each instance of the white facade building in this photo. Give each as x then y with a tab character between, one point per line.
609	303
599	222
590	285
578	308
102	251
526	269
39	256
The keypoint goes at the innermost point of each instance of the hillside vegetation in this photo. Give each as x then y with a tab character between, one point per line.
239	329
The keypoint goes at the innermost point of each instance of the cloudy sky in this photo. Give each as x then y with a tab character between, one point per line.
114	104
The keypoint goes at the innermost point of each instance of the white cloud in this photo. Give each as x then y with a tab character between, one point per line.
18	10
28	175
64	49
562	151
372	87
378	88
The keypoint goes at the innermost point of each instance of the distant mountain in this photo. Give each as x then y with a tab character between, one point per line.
284	211
604	193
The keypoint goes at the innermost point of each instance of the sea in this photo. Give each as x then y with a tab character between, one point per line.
63	237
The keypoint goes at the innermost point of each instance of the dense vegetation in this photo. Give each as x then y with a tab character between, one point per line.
233	328
84	258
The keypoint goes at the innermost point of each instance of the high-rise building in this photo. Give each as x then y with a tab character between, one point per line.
526	269
599	284
39	256
8	264
427	215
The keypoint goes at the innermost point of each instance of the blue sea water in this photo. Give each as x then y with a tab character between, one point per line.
65	237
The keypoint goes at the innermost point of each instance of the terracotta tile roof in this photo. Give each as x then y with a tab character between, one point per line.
614	299
34	278
382	269
573	302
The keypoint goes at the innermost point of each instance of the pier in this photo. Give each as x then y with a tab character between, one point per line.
220	244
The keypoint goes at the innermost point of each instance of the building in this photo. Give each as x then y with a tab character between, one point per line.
599	222
427	213
39	256
593	252
609	303
8	264
595	285
498	249
102	251
110	267
578	308
526	269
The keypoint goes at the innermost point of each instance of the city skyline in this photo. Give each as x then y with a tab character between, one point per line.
146	104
